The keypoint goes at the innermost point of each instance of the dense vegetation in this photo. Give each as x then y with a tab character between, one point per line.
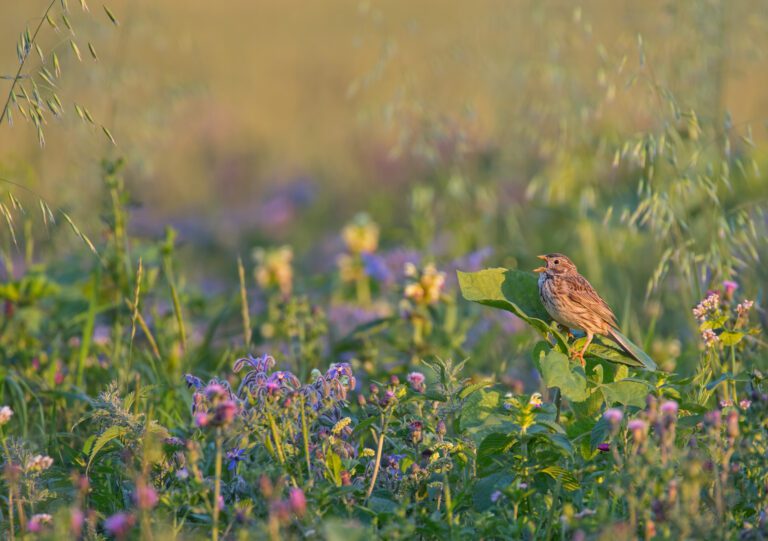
401	382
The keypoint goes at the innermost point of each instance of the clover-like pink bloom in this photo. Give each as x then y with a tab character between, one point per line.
298	501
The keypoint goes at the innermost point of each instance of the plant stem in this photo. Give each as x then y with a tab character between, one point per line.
10	487
305	437
24	61
276	437
217	487
377	464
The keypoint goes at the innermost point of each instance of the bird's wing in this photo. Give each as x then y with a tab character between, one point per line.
581	292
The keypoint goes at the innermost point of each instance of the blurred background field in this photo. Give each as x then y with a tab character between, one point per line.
214	105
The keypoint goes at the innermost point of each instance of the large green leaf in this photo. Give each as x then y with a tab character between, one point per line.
511	290
630	392
558	371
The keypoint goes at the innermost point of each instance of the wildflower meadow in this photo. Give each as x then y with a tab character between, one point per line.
277	282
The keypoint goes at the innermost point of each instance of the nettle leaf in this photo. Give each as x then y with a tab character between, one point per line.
112	433
558	371
486	486
569	481
481	414
629	392
494	444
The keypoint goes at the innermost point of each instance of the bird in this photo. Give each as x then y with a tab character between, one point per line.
572	302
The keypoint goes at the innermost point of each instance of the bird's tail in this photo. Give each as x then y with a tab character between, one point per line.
632	350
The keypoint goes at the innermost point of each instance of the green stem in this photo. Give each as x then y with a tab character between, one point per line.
276	437
305	437
217	487
380	448
10	487
24	61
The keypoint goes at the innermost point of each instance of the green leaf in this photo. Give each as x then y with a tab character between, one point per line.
730	338
481	414
558	371
494	444
486	486
629	392
512	290
600	433
113	432
567	478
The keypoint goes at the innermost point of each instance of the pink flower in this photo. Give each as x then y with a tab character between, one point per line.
76	520
201	419
145	496
119	524
639	429
670	408
613	416
298	501
729	287
416	379
225	413
36	523
215	391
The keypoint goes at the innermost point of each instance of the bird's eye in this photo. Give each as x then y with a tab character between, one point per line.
557	261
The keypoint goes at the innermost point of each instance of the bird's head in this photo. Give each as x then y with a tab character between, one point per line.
556	264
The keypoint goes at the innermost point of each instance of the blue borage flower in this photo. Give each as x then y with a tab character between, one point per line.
235	456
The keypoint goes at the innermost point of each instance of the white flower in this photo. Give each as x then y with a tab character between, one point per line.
5	415
39	463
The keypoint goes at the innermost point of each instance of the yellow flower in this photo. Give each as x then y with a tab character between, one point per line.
368	453
273	268
341	425
362	235
427	287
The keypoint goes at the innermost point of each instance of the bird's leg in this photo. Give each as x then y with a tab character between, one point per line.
580	354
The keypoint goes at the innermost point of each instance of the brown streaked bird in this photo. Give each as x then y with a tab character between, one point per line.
572	301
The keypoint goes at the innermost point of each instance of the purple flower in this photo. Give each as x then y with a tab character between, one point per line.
496	496
235	456
193	381
376	267
119	524
613	416
604	447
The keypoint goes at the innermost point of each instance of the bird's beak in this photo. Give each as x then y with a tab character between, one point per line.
541	269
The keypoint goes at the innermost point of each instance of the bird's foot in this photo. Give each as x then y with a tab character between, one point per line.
580	356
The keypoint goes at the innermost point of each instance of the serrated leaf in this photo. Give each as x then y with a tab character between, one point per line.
569	481
113	432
